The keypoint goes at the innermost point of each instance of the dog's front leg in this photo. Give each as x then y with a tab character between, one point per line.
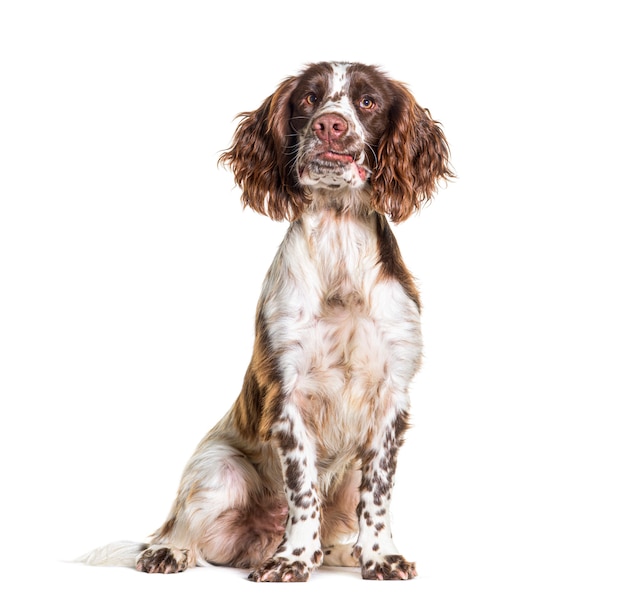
300	551
375	549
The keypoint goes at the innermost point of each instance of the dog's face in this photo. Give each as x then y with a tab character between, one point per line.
338	114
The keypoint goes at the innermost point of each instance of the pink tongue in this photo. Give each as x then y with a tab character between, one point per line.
338	157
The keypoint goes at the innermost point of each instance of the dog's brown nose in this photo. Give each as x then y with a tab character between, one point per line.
329	127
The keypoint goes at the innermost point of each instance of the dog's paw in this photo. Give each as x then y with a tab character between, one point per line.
281	570
387	568
162	559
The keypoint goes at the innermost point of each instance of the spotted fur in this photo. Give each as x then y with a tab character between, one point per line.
300	471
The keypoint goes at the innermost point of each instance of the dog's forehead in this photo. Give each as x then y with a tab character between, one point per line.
347	79
338	96
339	80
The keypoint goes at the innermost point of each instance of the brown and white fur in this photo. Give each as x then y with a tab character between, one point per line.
300	470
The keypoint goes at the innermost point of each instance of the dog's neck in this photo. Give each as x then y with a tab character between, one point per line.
339	222
338	235
349	201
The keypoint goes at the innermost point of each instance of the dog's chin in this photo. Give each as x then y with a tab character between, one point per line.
333	171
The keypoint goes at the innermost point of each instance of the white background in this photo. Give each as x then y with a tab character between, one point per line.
129	276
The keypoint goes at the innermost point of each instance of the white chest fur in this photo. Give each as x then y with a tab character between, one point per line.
347	338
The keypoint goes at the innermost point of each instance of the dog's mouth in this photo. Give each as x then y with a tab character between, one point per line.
339	157
335	168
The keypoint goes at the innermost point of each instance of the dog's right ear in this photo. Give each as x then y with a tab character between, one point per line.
262	158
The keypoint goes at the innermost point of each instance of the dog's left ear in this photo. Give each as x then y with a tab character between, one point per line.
413	157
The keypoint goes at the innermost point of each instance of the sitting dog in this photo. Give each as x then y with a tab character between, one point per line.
300	470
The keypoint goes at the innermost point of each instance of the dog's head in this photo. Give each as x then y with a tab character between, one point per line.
335	127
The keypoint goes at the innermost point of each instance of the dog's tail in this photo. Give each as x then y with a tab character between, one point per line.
123	553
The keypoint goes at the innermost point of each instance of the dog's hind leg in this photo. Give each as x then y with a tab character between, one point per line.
221	515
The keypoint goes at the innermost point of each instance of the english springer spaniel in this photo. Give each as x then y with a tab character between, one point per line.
300	471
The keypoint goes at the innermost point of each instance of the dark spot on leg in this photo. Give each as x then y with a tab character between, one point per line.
293	475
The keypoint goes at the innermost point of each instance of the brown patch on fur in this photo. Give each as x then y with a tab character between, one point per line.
259	402
392	264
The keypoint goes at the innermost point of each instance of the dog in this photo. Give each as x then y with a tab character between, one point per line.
300	471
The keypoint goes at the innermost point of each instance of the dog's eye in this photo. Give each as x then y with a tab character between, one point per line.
310	99
367	103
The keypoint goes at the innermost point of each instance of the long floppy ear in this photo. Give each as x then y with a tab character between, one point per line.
413	157
261	158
